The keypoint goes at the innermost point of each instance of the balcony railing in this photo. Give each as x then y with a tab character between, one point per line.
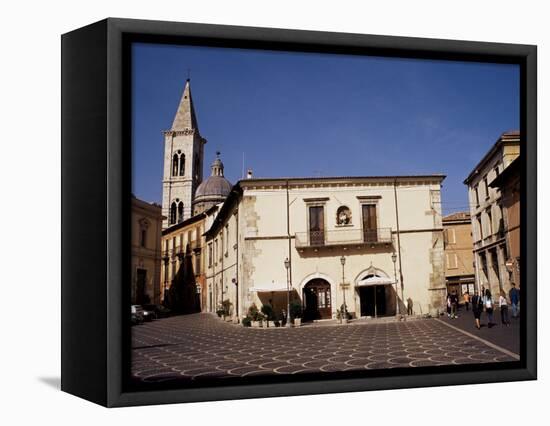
315	239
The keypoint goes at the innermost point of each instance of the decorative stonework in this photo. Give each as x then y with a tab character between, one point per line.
184	132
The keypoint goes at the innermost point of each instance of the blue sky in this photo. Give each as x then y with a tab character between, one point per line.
306	114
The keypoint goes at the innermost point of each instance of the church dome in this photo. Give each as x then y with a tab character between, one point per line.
214	186
214	189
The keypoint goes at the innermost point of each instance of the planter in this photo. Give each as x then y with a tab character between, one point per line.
297	322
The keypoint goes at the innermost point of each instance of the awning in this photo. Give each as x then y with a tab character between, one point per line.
375	280
269	287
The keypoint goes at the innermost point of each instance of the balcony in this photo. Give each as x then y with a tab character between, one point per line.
346	237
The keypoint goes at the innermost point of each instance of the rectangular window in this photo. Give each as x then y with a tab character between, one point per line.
222	240
317	225
198	263
143	238
452	261
489	222
215	251
451	236
370	233
479	226
476	194
486	186
210	255
227	240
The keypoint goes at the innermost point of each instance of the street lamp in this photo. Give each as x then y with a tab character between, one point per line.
394	260
345	313
287	266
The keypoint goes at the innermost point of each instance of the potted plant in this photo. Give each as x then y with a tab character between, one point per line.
296	313
267	310
226	309
342	314
247	321
255	315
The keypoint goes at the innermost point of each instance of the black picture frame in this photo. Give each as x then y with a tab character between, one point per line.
95	229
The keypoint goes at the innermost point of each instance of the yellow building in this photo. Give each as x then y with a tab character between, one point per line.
486	210
183	270
146	252
459	257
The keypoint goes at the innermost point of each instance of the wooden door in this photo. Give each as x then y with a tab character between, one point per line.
317	297
370	233
316	225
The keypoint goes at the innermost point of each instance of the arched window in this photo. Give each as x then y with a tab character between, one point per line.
180	212
175	165
182	165
173	213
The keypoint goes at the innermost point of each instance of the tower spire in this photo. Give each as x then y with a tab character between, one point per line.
185	115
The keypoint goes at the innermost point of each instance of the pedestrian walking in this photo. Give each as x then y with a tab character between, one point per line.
467	300
454	304
449	305
503	304
477	308
488	302
514	300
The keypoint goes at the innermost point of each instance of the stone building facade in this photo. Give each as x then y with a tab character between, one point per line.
388	230
146	252
487	213
508	182
459	257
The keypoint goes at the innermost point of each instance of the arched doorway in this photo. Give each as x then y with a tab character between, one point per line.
376	293
317	300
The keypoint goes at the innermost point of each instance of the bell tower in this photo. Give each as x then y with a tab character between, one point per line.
183	162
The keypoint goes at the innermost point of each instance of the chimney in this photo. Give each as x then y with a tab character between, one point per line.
249	174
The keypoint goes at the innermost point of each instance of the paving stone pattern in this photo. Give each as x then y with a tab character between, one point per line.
200	345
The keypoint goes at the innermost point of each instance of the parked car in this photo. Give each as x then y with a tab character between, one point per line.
144	313
137	316
159	310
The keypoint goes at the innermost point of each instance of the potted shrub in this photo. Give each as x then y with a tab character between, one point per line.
267	310
255	315
296	313
247	321
342	314
226	308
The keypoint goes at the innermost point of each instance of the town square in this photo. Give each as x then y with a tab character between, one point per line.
288	271
191	347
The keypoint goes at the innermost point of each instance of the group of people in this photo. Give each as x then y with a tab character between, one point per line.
484	303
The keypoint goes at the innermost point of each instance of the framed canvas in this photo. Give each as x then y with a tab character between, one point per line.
255	212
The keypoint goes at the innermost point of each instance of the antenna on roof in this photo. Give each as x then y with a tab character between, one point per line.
242	170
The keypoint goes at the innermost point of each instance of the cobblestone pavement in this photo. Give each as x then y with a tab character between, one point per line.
200	345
